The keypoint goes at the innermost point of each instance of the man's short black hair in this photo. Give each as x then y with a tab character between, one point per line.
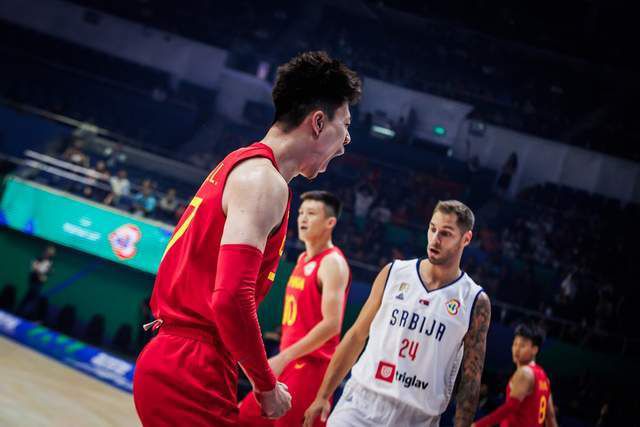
333	205
530	332
312	81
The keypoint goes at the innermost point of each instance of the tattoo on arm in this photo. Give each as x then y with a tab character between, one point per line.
475	343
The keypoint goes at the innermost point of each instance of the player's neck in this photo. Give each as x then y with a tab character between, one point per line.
287	151
313	248
438	276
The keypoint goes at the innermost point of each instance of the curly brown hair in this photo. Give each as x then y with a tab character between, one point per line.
465	216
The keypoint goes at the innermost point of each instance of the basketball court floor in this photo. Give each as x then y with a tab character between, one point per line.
38	391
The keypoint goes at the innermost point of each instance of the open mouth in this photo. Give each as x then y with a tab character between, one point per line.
433	251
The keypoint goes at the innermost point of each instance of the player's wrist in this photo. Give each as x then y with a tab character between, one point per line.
323	395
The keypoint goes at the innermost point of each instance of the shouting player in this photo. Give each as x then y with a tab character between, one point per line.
529	402
424	319
222	257
314	305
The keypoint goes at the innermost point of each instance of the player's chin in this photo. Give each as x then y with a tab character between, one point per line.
310	174
317	172
435	259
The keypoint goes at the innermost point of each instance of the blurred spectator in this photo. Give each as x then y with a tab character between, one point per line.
38	276
120	186
115	156
144	202
87	192
364	197
98	192
168	204
76	156
101	168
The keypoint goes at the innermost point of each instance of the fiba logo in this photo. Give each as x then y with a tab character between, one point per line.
123	241
386	371
453	306
308	269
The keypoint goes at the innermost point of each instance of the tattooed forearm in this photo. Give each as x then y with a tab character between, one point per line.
475	343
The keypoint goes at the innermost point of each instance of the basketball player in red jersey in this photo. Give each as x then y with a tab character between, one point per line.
529	402
222	257
314	305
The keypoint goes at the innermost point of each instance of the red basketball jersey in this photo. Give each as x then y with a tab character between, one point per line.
184	284
532	412
303	304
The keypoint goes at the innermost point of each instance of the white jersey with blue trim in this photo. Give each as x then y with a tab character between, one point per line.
415	345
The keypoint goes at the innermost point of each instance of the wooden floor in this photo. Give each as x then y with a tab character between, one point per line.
38	391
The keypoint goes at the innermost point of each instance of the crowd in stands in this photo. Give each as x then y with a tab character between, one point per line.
511	84
113	187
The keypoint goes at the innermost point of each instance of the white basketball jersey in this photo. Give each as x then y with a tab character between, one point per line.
415	342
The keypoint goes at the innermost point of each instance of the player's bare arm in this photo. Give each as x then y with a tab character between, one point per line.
347	351
254	201
550	420
333	274
475	343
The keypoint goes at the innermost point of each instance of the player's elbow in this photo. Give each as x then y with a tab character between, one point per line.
332	325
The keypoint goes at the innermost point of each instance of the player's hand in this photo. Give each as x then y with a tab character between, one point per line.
275	403
278	363
320	407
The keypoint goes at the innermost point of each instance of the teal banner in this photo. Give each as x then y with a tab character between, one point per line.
84	225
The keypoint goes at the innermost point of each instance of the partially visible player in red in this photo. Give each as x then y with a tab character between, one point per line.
529	402
314	305
222	258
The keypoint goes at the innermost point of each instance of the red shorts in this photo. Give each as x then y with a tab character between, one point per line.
183	378
303	377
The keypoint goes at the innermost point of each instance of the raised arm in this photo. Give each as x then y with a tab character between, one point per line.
475	343
348	351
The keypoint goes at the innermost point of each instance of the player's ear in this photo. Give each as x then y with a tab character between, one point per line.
466	239
318	119
332	221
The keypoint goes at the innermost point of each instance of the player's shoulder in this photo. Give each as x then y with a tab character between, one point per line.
258	174
472	289
525	373
402	265
468	280
334	260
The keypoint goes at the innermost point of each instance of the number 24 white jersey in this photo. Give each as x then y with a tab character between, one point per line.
415	345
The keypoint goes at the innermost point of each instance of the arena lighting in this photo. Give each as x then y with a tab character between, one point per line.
382	132
439	130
